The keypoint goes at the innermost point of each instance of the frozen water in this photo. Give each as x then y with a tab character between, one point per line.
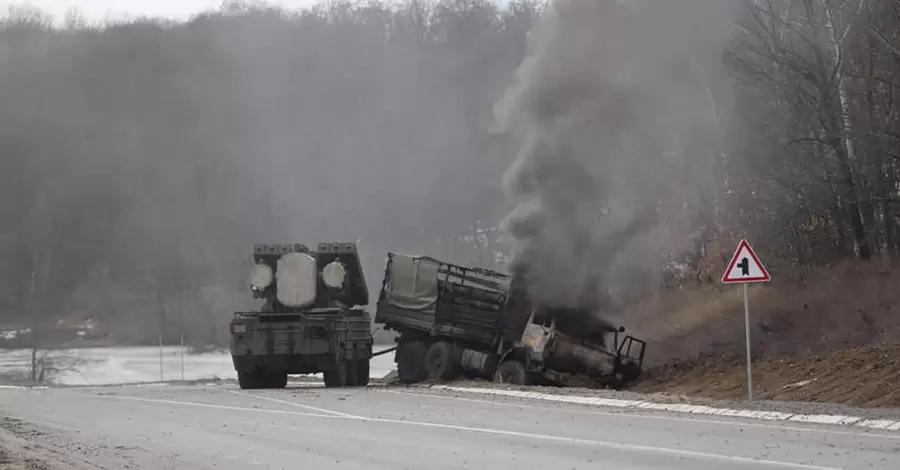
106	366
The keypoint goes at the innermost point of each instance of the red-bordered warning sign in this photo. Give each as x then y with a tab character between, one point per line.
745	266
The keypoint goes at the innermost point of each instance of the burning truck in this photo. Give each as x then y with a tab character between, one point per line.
456	321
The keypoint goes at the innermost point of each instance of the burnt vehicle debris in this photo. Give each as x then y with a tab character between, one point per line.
314	319
458	321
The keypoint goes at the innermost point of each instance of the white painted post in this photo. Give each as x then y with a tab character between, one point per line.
160	358
182	356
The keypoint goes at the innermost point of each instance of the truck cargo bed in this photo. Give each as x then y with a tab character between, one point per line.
432	296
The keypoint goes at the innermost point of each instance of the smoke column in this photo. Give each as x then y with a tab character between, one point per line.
600	109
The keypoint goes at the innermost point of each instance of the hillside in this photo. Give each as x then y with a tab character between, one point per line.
864	376
848	305
832	336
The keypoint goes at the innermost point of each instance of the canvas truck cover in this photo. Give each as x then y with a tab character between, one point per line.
413	283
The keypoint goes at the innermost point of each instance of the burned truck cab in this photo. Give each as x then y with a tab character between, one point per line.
551	344
313	320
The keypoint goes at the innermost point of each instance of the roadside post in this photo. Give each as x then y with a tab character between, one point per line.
161	379
745	268
182	356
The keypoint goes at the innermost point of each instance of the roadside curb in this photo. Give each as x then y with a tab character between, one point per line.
840	420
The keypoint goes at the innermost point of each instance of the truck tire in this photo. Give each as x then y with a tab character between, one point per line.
512	372
411	362
357	371
259	379
442	361
352	372
248	379
336	377
624	378
276	379
363	373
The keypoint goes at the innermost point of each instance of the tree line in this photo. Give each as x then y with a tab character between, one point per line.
140	161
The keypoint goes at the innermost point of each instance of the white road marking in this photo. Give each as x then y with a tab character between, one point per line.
298	405
208	405
854	421
547	437
609	444
698	419
878	423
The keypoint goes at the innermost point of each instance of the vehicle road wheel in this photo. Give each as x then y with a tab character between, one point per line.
442	362
626	377
352	373
511	372
250	379
336	377
411	362
362	373
276	379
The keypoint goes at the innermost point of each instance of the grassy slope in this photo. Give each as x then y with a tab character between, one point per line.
864	376
839	329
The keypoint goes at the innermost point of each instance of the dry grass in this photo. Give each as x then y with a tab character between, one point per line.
867	376
854	304
837	328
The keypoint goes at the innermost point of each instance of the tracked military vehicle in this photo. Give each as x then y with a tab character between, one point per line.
314	319
456	320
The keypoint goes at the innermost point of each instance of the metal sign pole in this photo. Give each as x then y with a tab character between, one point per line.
745	268
747	330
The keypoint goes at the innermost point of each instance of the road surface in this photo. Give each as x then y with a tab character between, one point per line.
222	427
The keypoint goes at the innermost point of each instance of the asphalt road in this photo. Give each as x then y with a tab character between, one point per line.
222	427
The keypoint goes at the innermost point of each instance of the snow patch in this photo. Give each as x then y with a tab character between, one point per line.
145	365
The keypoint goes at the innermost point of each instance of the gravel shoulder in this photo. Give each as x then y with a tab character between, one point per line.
24	447
28	444
13	458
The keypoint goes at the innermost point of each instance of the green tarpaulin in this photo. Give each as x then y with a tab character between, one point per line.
413	283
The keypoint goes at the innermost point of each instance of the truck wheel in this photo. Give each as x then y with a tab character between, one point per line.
250	379
512	372
442	362
362	371
352	373
625	378
276	379
336	377
411	362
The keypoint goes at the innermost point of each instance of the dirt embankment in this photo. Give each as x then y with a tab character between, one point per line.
834	336
866	377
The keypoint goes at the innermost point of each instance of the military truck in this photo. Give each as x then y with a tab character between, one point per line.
454	320
314	319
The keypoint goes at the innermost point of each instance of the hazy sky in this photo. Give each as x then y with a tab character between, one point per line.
100	9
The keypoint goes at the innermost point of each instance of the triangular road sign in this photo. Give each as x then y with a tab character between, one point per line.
745	266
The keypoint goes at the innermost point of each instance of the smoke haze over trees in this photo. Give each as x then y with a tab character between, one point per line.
604	115
139	162
142	161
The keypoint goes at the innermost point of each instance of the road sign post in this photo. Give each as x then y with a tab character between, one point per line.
745	268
